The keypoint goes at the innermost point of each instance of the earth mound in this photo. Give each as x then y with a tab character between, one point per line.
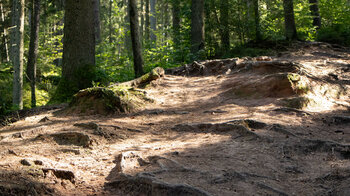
117	98
294	85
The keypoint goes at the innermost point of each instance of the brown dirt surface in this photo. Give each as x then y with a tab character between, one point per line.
217	127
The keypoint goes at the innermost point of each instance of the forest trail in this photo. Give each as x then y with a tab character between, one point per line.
218	127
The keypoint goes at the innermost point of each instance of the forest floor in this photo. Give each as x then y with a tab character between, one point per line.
223	131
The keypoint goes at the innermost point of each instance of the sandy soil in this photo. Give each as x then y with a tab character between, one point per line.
187	137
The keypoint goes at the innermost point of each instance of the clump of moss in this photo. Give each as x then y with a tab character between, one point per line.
299	83
297	102
119	98
98	100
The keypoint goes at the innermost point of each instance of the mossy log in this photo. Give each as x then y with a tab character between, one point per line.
144	80
118	98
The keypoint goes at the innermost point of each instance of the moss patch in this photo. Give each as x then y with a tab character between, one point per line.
120	98
109	100
299	83
297	102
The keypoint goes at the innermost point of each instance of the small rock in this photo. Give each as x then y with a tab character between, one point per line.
176	153
60	174
341	119
293	169
215	111
74	151
333	76
127	161
45	119
142	162
38	162
181	112
12	152
72	138
339	131
155	112
90	125
25	162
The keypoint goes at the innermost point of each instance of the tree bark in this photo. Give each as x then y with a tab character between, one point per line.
110	21
224	23
197	27
78	69
166	19
7	57
97	21
127	38
147	25
153	20
33	48
176	23
289	21
142	20
135	38
258	36
315	13
17	51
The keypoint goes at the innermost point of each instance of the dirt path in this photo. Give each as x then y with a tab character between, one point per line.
199	137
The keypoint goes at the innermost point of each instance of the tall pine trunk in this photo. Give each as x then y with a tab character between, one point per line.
166	19
289	22
33	48
224	23
197	28
127	38
315	13
147	25
17	51
97	20
110	20
258	36
176	23
78	69
142	26
153	20
135	38
7	57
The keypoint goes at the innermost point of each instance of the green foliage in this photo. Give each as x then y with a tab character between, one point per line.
335	22
5	88
244	51
336	34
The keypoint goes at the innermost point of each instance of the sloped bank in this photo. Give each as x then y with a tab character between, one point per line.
293	84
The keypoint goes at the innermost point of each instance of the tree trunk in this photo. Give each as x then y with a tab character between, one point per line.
290	29
142	20
33	48
147	26
126	24
110	21
258	36
176	24
197	27
224	23
78	69
135	38
17	51
97	20
166	19
315	13
7	57
153	20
